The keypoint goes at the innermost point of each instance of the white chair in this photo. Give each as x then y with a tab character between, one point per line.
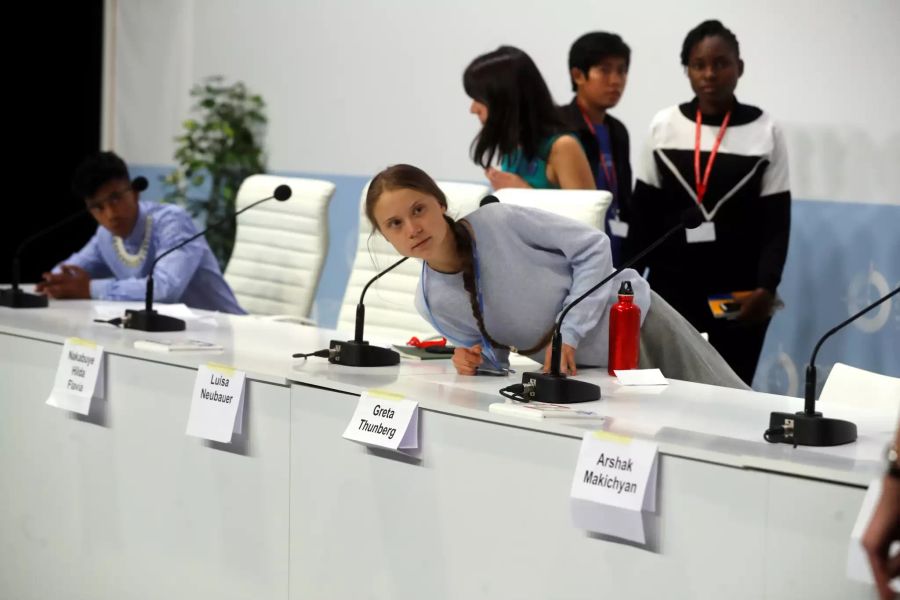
587	206
280	247
861	389
390	310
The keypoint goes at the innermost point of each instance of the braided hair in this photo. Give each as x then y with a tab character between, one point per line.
464	250
711	28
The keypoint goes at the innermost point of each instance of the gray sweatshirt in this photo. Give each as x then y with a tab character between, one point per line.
531	264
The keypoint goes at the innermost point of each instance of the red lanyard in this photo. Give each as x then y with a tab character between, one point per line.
701	185
608	171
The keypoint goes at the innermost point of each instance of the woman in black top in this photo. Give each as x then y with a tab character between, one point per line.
729	158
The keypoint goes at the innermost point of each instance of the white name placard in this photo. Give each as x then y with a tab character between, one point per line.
614	482
77	376
385	419
217	405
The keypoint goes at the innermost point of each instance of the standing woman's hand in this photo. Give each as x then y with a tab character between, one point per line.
501	179
757	307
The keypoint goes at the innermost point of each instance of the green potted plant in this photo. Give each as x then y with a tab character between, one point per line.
220	146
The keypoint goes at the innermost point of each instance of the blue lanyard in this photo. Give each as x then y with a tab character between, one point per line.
487	350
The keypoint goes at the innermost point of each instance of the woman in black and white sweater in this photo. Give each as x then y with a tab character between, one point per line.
730	158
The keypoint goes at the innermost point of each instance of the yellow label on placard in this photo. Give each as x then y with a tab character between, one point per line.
612	437
81	342
385	395
223	369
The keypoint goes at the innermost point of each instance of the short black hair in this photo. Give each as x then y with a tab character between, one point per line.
594	47
704	30
95	171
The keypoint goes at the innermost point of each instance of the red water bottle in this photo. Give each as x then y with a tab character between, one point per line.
624	331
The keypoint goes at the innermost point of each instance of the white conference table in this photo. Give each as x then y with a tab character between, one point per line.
123	504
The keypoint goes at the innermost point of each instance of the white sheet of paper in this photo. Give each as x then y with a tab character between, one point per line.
706	232
608	520
76	383
177	346
614	482
858	568
217	404
618	228
641	377
641	390
386	420
537	411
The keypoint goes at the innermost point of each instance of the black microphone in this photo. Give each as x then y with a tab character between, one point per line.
139	183
554	386
810	428
150	320
489	199
16	298
357	352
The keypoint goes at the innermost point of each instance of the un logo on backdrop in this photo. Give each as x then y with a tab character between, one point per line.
778	374
864	289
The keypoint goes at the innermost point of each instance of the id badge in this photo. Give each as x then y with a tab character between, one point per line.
618	228
706	232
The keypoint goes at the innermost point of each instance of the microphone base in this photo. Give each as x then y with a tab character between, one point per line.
360	354
802	429
144	320
558	389
18	299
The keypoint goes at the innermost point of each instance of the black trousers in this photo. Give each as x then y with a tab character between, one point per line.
740	344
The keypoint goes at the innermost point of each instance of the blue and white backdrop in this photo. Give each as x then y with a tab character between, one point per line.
354	86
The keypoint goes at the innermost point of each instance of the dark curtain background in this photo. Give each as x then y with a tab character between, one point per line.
53	92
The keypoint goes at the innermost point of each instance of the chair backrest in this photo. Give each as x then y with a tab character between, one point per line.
390	310
587	206
280	247
861	388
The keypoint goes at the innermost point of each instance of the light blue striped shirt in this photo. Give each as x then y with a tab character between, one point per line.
189	275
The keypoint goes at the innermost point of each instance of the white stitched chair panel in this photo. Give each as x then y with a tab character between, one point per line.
280	247
391	314
587	206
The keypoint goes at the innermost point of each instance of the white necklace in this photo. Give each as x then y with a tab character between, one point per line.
134	260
